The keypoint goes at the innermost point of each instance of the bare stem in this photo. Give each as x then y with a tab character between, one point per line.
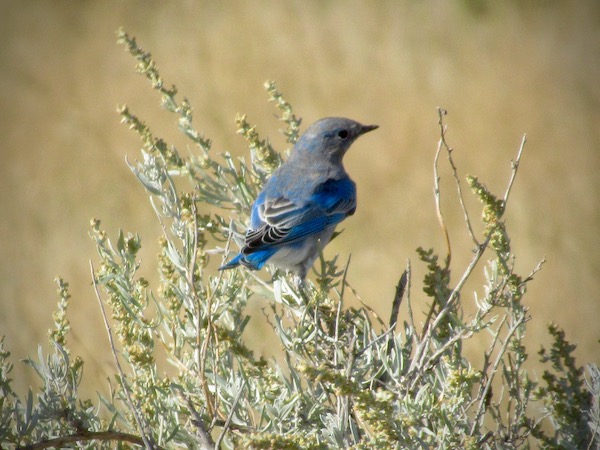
441	113
86	436
469	270
227	424
502	351
436	189
411	316
206	441
515	168
141	423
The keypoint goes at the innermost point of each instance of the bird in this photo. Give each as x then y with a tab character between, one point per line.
295	215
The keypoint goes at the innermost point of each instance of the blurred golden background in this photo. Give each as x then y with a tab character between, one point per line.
500	68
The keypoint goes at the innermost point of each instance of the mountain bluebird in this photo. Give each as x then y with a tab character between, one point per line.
296	213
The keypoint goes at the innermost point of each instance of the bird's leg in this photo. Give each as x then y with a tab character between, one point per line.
299	281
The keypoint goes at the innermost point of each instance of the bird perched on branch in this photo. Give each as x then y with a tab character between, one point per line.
297	211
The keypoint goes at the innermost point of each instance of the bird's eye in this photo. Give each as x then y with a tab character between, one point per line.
343	134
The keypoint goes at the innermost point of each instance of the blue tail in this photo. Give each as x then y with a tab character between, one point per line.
254	261
233	263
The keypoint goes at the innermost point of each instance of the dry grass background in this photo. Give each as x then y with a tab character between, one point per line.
500	68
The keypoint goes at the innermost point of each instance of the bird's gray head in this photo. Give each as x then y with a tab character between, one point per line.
330	138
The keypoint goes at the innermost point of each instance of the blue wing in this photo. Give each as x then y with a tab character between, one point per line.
279	221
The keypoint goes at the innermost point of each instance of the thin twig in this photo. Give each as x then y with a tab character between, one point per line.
411	316
467	273
364	304
202	348
492	373
484	439
339	306
344	401
374	341
86	436
436	188
206	441
441	113
339	310
438	205
141	423
230	415
422	366
345	276
535	270
515	168
486	362
449	304
192	284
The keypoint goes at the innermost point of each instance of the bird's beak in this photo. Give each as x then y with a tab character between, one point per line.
367	128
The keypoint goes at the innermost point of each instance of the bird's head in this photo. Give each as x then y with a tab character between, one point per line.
330	138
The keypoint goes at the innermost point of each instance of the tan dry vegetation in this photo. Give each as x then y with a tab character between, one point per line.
501	69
